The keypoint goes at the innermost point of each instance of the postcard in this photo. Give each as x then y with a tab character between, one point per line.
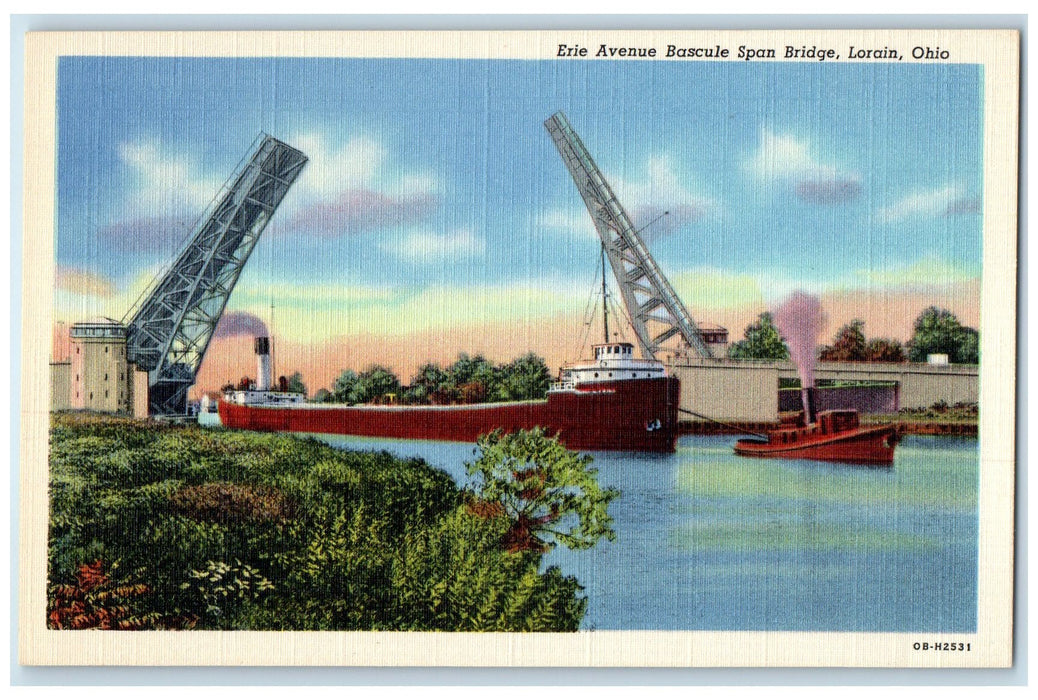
544	348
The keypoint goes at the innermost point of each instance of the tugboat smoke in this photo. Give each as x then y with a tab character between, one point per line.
799	319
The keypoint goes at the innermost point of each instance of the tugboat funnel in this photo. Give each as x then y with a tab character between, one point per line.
807	397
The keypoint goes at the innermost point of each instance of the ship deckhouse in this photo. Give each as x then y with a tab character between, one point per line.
612	362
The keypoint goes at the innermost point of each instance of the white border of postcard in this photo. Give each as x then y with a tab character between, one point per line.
997	51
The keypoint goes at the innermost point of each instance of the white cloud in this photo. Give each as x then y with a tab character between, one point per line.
940	201
664	190
163	184
646	200
354	164
346	187
573	221
782	155
666	185
784	158
354	186
423	246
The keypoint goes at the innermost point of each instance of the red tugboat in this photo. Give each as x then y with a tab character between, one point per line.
615	402
832	436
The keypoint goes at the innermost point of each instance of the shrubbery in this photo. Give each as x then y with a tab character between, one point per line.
212	529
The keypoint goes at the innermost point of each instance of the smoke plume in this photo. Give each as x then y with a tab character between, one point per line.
240	323
800	319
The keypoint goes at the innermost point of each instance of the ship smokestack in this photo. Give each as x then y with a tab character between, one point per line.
807	397
263	379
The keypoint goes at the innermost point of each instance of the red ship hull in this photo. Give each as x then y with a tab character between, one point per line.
872	445
637	415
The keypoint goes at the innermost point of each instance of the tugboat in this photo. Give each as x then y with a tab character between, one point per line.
831	436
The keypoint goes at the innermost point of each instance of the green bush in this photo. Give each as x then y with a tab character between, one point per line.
237	530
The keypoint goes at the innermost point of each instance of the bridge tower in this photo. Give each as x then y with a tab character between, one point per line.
655	311
172	324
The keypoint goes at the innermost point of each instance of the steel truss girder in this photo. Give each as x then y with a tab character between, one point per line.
171	328
646	292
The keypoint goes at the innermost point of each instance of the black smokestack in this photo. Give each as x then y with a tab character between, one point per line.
263	363
807	396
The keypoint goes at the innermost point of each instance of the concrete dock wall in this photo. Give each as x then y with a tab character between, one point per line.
747	390
729	390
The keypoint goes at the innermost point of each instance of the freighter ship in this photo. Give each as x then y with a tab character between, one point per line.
613	402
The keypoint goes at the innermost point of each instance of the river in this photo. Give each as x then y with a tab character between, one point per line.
707	540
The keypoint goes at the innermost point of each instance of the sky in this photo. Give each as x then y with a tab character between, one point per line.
435	215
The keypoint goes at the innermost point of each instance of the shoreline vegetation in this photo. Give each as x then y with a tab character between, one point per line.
158	526
939	419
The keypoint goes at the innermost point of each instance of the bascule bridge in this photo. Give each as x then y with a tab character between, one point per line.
147	361
656	313
170	328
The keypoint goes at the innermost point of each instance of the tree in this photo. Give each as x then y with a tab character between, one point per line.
762	342
550	495
526	377
969	346
323	396
343	388
428	385
472	369
472	392
848	345
295	383
939	331
374	383
884	350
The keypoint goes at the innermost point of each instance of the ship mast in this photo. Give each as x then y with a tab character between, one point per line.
270	332
605	297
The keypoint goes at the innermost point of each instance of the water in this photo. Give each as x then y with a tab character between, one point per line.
707	540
